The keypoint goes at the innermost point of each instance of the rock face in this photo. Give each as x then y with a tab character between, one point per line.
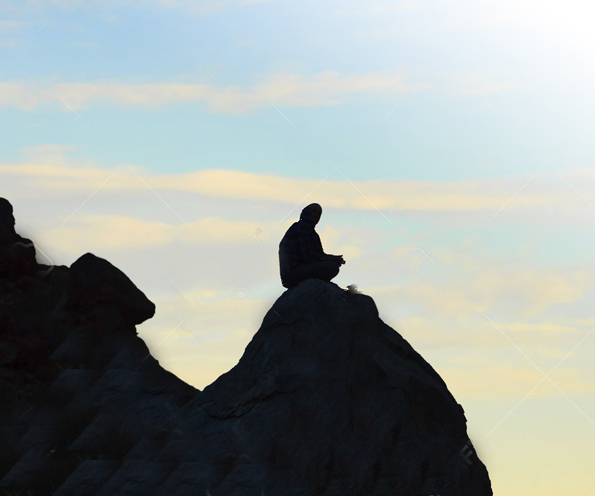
326	400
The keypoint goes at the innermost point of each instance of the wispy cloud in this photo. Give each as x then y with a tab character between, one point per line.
327	88
207	7
522	292
377	8
106	232
53	170
287	90
194	7
467	83
466	283
9	25
8	43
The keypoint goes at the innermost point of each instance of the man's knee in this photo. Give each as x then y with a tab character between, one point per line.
287	281
330	269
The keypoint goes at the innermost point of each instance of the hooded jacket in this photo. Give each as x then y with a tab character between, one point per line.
301	243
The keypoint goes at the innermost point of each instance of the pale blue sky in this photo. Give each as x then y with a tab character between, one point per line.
455	130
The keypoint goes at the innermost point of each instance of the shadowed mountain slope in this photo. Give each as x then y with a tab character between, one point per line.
326	400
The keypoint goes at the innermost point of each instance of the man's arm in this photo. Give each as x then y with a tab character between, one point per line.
326	256
310	246
318	247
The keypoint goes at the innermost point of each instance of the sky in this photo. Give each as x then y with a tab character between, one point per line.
448	142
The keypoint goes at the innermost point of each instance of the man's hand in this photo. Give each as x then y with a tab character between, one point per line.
339	258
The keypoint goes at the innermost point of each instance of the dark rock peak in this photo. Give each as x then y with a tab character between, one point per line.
330	397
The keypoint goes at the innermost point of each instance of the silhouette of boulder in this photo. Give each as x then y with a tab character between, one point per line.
98	286
326	400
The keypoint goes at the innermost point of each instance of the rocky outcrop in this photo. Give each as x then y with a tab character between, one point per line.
326	400
80	390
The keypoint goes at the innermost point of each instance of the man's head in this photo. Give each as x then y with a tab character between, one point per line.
311	213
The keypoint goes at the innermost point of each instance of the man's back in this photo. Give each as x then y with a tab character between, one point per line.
300	245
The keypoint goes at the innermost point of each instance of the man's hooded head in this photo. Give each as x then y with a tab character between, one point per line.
311	213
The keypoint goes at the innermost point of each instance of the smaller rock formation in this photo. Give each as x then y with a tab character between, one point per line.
80	390
98	288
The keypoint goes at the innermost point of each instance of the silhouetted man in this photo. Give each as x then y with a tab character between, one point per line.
300	251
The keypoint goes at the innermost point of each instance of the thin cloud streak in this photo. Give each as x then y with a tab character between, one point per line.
56	173
286	90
